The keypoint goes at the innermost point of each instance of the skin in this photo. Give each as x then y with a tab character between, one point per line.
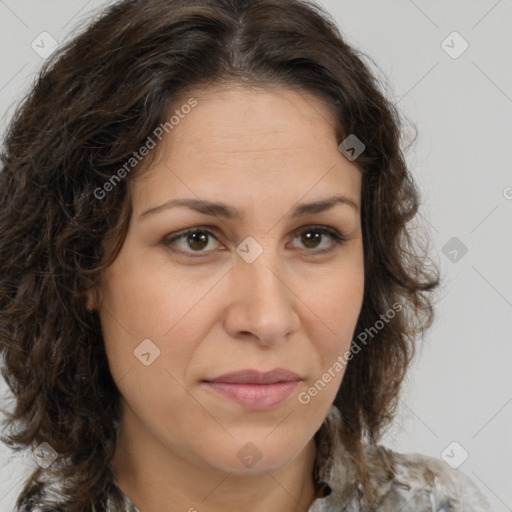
262	152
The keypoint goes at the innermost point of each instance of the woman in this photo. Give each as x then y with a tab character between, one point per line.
209	295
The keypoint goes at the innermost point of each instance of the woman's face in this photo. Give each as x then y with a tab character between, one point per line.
267	289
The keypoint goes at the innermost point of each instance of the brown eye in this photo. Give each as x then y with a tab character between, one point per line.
312	237
311	240
196	240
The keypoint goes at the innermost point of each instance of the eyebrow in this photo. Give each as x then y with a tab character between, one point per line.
222	210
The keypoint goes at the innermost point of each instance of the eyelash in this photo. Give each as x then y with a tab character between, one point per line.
338	240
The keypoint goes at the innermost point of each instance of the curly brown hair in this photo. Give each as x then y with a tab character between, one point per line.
96	100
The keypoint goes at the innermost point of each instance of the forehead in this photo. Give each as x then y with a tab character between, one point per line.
251	106
234	119
239	137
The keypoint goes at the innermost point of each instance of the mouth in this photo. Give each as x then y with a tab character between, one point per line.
255	390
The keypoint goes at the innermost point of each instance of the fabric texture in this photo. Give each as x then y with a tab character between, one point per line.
402	482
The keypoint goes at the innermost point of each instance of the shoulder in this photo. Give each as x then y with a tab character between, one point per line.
405	482
420	483
47	499
27	507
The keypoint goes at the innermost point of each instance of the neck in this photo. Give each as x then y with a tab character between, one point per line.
157	480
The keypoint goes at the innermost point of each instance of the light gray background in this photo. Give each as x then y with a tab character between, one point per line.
460	388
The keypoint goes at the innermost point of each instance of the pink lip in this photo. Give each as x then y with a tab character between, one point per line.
256	390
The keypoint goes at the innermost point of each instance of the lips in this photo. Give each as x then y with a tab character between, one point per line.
255	390
256	377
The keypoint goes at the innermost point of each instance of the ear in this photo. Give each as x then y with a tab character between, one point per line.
92	299
89	302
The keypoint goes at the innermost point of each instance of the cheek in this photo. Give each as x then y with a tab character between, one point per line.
338	299
334	327
145	295
139	305
336	308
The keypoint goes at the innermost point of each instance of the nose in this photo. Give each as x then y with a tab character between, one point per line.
261	305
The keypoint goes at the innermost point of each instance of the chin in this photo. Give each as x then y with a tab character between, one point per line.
260	456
